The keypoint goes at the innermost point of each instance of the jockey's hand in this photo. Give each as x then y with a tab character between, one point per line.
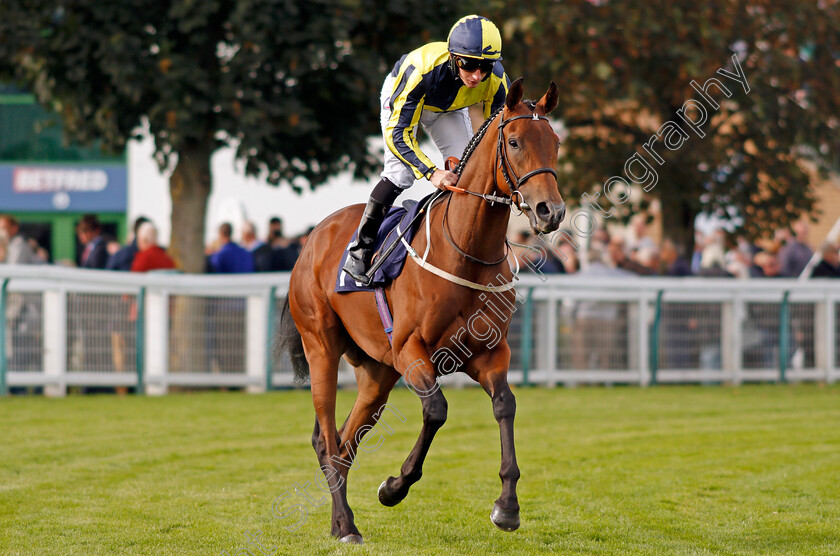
441	178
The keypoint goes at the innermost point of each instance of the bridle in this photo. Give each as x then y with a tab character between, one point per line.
507	170
513	185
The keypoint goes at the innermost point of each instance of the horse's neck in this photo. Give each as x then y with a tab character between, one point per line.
476	226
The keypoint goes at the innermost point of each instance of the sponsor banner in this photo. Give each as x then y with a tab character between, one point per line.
60	188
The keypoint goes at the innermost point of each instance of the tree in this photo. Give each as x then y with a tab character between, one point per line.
625	68
293	85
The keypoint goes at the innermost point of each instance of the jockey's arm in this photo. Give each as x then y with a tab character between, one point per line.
401	130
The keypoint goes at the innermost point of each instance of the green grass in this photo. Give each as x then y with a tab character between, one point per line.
665	470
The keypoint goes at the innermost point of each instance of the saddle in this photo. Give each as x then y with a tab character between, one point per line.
395	223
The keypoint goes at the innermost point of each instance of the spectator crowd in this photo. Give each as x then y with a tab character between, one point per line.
719	254
630	251
142	253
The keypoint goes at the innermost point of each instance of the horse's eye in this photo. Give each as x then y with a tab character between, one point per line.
513	143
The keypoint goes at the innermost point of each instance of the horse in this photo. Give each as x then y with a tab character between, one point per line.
509	162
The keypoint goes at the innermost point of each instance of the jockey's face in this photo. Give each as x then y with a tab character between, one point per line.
472	70
471	79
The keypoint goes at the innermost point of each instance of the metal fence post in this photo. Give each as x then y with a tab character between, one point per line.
140	342
527	326
654	338
3	366
784	336
272	315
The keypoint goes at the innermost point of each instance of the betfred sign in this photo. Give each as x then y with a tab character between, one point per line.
48	180
60	188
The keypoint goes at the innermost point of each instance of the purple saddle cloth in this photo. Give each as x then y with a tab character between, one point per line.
386	236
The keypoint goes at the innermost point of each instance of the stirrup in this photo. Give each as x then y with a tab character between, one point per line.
363	278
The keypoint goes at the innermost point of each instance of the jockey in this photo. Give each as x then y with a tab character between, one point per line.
431	86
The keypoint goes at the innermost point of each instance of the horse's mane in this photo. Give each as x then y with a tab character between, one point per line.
479	135
476	139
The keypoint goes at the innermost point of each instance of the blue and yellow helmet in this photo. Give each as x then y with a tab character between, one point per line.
476	37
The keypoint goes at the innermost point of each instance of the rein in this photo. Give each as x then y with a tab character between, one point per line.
507	170
513	187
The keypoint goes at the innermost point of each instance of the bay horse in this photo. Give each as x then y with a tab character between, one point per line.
510	161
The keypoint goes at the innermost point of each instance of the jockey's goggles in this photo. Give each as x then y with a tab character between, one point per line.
472	64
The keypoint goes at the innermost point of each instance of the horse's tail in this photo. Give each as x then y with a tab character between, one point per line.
289	341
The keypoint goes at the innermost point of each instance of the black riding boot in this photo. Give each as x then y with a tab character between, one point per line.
361	251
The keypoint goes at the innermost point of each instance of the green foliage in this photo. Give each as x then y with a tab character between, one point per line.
293	84
625	67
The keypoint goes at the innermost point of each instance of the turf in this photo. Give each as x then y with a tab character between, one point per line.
665	470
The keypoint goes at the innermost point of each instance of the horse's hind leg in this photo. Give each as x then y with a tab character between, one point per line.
323	353
375	381
420	377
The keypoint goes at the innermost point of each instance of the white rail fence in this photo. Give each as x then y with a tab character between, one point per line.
77	328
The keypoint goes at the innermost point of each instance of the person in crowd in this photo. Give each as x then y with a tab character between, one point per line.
275	237
285	251
529	257
697	254
260	250
673	263
639	233
766	265
649	258
569	265
22	316
829	266
618	258
122	259
150	256
95	252
4	247
600	238
598	325
739	256
713	256
226	316
230	258
303	238
18	250
41	253
92	340
795	253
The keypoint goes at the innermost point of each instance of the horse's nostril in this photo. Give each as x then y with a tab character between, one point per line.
543	212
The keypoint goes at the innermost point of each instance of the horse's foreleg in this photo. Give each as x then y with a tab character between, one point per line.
420	377
491	373
505	513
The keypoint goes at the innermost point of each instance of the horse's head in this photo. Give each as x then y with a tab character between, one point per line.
528	146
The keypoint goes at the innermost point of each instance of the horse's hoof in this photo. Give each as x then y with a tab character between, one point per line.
352	539
505	520
384	498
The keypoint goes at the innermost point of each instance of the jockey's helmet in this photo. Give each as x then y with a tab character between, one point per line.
476	37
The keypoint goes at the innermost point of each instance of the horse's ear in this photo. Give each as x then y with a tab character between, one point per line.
514	96
549	101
